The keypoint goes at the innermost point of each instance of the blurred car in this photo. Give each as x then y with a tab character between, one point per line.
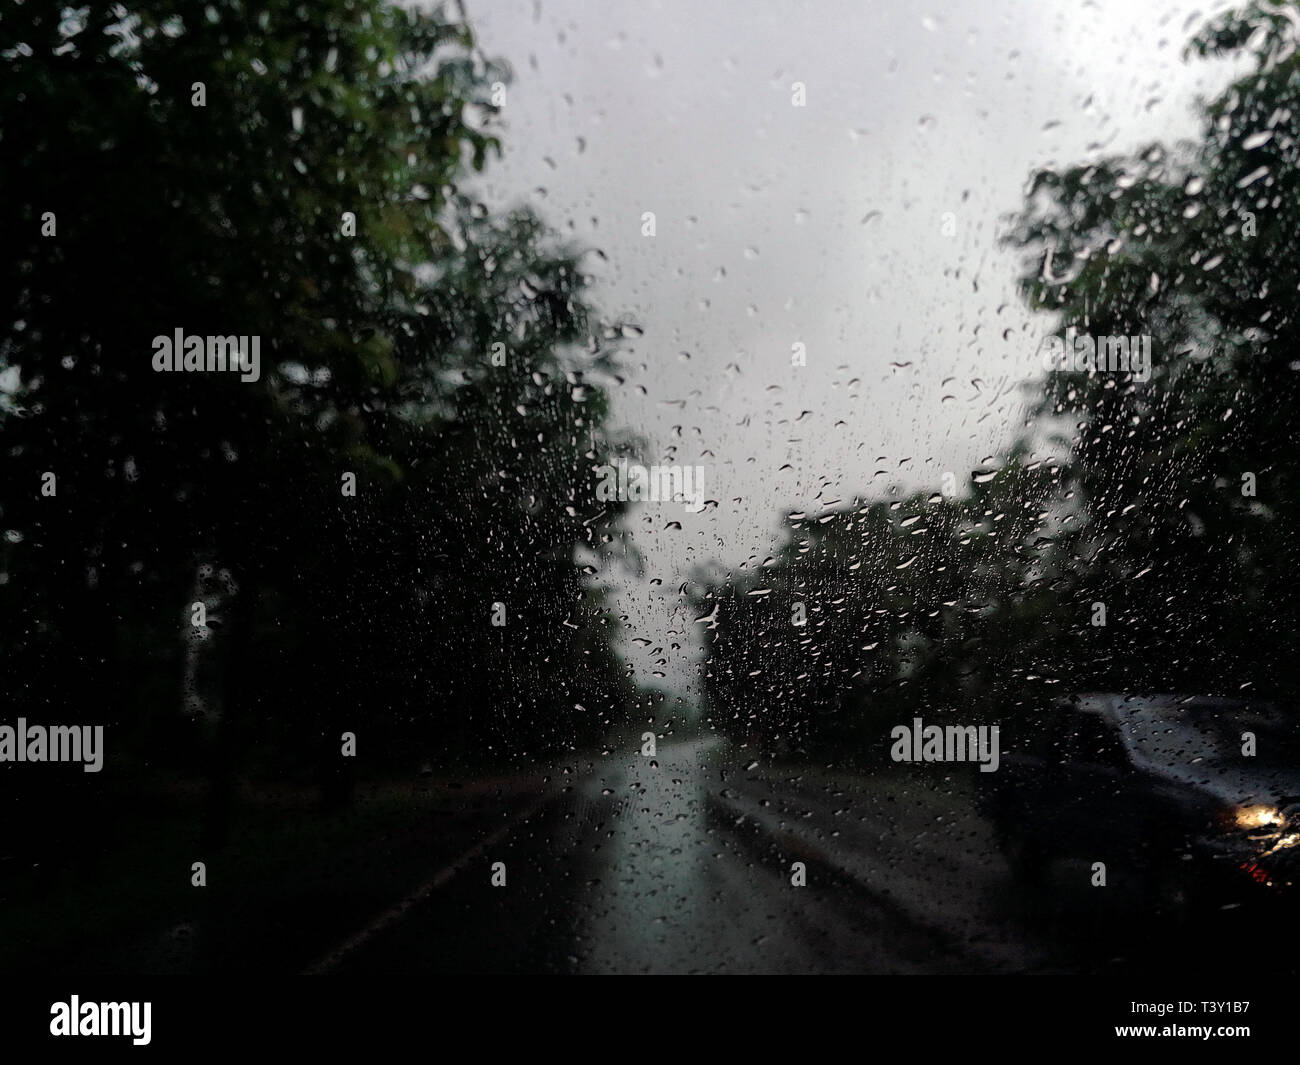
1164	789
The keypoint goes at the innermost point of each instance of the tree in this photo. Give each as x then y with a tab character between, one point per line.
1187	481
288	173
1168	502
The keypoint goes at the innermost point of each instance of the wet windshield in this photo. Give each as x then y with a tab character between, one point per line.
546	486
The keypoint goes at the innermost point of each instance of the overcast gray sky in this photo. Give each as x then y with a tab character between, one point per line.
822	225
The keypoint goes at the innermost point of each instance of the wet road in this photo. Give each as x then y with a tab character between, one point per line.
685	863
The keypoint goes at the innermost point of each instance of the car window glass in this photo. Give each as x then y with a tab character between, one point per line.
1093	742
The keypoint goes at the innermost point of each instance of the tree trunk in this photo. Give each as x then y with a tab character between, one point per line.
226	748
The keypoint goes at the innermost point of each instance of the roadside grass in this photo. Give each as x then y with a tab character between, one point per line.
291	879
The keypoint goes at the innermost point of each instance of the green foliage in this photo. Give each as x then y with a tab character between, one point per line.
1124	492
334	612
1192	248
